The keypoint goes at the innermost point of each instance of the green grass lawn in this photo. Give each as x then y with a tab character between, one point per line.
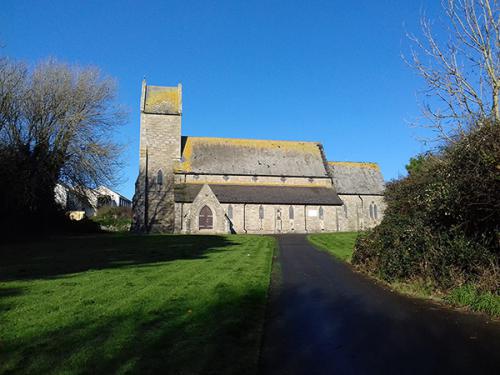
340	245
134	304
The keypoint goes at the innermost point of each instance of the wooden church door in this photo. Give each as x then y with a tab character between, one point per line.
206	218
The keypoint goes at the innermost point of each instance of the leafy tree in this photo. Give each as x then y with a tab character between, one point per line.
416	163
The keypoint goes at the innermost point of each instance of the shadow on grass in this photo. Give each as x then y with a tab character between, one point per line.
220	337
66	255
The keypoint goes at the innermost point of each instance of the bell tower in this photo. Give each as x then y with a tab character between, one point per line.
160	148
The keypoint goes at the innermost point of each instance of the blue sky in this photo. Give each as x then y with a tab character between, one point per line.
327	71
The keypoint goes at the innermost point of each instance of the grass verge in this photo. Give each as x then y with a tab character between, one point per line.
468	296
134	304
341	245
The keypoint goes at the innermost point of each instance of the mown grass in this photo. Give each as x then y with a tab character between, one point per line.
341	245
134	304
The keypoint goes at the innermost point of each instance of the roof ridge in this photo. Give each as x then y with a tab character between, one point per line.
361	164
251	139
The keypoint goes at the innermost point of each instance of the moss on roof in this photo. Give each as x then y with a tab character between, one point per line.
355	164
357	178
251	157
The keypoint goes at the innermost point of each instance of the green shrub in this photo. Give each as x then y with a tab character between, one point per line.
442	220
115	219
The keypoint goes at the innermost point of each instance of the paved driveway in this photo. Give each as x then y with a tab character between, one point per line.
325	319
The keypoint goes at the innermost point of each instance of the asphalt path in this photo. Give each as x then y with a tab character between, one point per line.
324	318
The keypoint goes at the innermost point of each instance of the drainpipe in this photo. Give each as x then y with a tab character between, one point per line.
182	216
244	218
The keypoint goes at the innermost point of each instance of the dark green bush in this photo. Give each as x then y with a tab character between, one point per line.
116	219
83	226
442	220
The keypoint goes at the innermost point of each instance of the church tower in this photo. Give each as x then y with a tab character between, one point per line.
160	149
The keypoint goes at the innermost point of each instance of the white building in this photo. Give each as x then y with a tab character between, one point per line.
95	199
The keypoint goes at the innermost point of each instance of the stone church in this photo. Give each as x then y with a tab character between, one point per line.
227	185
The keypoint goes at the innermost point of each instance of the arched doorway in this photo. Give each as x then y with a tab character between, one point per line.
205	219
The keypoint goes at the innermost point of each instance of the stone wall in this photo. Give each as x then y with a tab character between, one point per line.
190	214
160	148
252	180
246	218
354	215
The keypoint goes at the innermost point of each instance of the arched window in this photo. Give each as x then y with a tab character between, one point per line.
371	210
230	211
290	213
321	213
261	212
345	210
205	219
159	177
375	212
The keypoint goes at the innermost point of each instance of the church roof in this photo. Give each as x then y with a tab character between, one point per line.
251	157
357	178
226	193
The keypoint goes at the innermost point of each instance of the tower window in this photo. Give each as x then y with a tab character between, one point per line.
375	212
290	213
371	211
345	210
321	213
230	211
261	212
159	177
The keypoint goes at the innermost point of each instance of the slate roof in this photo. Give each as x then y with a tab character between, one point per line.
251	157
357	178
255	194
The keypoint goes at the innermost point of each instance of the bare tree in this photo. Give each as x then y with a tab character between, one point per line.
56	125
12	77
462	73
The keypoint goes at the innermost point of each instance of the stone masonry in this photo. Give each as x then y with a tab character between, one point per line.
179	176
160	141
